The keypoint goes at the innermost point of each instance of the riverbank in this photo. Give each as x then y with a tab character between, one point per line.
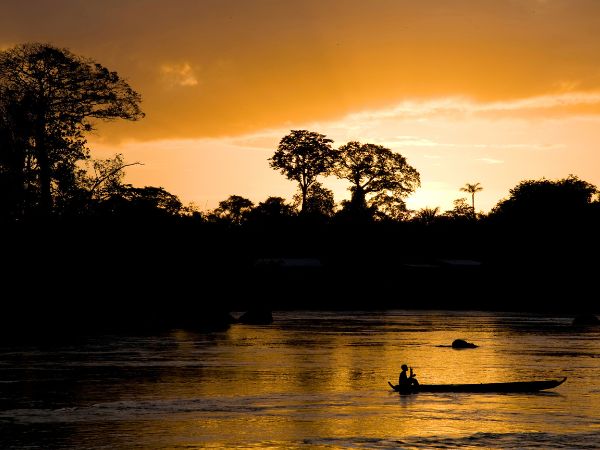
148	277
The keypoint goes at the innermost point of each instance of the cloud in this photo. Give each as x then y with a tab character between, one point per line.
568	103
372	130
257	141
412	109
529	146
490	160
412	141
179	74
416	142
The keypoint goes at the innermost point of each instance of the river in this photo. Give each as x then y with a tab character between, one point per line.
312	380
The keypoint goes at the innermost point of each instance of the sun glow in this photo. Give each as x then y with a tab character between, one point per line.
493	92
450	141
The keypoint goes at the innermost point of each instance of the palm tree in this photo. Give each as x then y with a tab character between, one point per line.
472	189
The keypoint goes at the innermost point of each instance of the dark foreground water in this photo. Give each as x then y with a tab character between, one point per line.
312	379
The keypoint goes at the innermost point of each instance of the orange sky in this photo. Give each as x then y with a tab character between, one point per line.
469	91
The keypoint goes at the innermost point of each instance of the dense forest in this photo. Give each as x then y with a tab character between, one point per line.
83	247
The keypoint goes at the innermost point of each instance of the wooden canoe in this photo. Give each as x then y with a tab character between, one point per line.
514	386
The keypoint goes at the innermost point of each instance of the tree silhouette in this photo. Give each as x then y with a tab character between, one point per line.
140	203
374	169
104	176
233	210
426	215
93	182
472	189
60	94
273	211
302	156
319	201
567	200
461	210
274	206
14	159
389	207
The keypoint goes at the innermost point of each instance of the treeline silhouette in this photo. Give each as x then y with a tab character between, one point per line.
84	250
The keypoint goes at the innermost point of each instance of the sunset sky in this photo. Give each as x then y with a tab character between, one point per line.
469	91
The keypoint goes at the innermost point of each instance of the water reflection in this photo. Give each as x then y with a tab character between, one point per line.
314	379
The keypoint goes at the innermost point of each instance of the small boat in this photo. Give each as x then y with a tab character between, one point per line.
514	386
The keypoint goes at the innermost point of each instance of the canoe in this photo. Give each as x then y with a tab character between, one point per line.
515	386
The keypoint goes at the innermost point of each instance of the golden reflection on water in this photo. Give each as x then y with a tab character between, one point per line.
299	382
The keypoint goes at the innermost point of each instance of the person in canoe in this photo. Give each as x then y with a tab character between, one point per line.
407	381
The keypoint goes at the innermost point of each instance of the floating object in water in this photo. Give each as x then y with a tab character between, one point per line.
461	343
510	387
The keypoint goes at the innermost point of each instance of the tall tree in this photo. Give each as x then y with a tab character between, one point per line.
374	169
472	189
13	156
62	94
302	156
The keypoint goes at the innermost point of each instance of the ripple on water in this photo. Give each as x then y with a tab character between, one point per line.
311	379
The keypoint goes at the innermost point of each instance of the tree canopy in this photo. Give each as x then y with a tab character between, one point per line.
461	210
273	211
302	156
319	201
233	210
378	172
545	200
49	99
149	202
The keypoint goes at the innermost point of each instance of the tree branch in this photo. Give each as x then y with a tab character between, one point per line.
110	174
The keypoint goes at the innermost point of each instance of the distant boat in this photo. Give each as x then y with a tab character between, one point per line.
514	386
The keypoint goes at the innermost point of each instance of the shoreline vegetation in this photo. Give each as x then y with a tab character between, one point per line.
84	251
122	277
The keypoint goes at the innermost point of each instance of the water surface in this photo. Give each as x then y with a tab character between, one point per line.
312	379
